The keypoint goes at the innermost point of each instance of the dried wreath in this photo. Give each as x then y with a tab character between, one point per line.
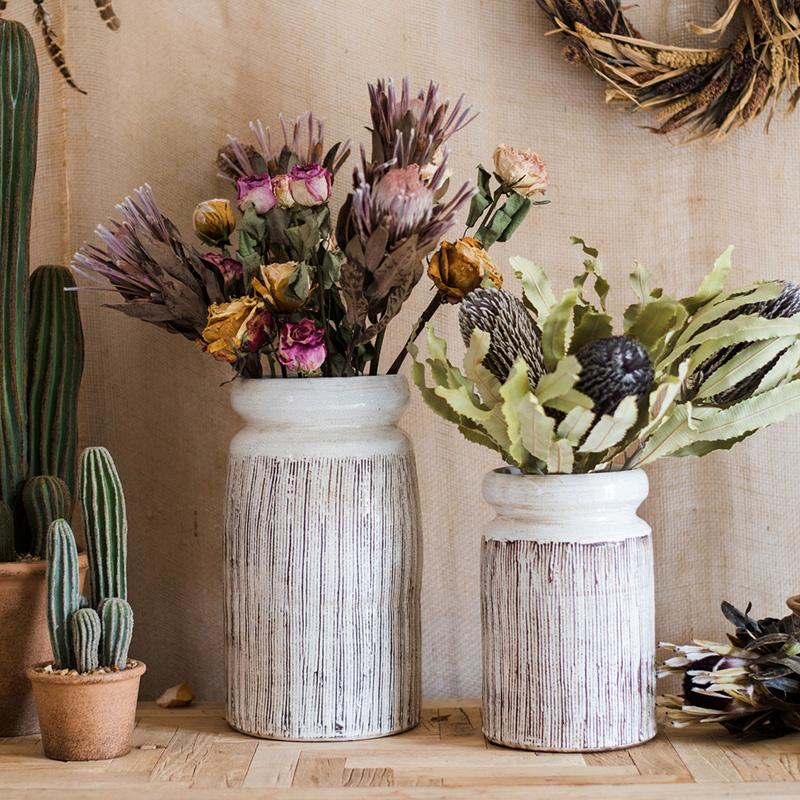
705	93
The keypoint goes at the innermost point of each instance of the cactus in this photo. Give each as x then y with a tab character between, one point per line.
116	619
85	628
7	552
63	590
55	366
19	98
45	498
106	525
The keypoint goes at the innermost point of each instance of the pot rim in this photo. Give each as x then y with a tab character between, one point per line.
16	569
36	676
515	472
348	381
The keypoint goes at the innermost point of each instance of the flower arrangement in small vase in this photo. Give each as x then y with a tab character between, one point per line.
317	648
575	409
86	697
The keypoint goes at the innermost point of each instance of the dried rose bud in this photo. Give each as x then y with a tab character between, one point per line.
256	191
274	284
214	221
237	326
283	194
522	170
458	268
301	346
310	185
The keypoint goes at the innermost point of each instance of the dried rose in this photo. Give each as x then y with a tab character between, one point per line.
214	221
428	172
459	267
274	285
229	268
238	326
523	170
301	346
310	185
283	194
402	201
255	190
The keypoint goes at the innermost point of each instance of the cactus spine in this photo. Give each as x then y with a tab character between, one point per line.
85	626
63	594
19	99
7	552
106	525
116	619
46	499
55	366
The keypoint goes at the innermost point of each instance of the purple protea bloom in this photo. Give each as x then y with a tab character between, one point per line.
401	201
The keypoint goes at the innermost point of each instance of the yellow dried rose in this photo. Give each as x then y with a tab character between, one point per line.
459	267
274	287
214	221
235	327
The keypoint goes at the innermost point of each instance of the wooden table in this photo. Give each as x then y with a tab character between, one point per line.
192	753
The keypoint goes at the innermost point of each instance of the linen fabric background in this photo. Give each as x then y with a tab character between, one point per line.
162	94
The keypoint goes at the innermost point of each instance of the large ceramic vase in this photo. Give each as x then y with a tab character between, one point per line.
24	639
567	608
322	561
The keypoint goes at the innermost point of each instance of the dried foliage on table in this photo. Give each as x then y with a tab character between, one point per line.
279	288
750	685
700	92
41	16
548	384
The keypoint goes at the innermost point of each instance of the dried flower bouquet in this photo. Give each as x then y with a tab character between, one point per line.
550	386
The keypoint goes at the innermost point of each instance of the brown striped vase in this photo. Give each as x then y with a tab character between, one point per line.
567	607
322	561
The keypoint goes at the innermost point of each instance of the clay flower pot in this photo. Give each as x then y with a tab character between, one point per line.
86	717
24	639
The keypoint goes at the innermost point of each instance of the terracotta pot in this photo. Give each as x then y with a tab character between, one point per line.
794	603
86	717
24	639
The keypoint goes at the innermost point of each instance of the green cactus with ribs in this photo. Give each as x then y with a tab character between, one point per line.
89	634
41	360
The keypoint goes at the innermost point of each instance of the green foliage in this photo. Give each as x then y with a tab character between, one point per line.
85	630
116	618
63	591
46	499
553	428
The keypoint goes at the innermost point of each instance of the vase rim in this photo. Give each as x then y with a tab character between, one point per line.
515	472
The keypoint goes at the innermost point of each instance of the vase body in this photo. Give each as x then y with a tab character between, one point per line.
24	639
322	561
567	605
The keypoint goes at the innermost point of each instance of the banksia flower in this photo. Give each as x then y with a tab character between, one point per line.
613	368
512	329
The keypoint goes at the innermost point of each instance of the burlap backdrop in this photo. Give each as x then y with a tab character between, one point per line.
165	90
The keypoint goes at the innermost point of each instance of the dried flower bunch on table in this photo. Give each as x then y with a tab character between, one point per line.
549	384
278	287
750	685
703	92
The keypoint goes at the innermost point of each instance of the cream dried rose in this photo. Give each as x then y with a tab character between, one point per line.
523	170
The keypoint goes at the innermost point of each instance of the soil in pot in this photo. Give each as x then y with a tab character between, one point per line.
87	717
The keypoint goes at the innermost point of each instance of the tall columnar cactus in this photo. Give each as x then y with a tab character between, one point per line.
55	366
106	524
63	591
46	499
116	619
19	99
85	630
7	552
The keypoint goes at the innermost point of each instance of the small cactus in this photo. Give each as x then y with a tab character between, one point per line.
63	590
106	525
7	551
116	619
85	629
46	499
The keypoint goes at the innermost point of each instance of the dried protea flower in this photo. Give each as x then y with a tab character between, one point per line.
512	329
750	685
786	304
613	368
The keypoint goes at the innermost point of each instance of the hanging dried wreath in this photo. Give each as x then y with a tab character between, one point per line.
702	92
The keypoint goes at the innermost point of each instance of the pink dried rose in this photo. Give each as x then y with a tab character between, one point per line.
257	331
255	190
283	193
523	170
301	346
309	185
229	268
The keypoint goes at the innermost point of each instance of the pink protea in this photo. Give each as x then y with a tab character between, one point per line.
401	201
301	346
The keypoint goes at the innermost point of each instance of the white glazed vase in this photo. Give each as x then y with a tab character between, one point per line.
322	561
567	606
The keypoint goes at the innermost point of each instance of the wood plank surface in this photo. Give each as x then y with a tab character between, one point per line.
192	753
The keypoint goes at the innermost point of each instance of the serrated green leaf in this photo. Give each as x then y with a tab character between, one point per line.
751	359
589	251
712	285
640	282
512	391
572	399
575	425
536	287
673	434
536	428
558	382
556	328
699	449
782	371
487	385
561	458
654	321
483	197
610	429
592	326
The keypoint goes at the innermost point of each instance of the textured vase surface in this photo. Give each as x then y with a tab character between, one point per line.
568	612
322	561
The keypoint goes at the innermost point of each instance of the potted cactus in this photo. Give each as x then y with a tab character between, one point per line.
86	696
41	361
